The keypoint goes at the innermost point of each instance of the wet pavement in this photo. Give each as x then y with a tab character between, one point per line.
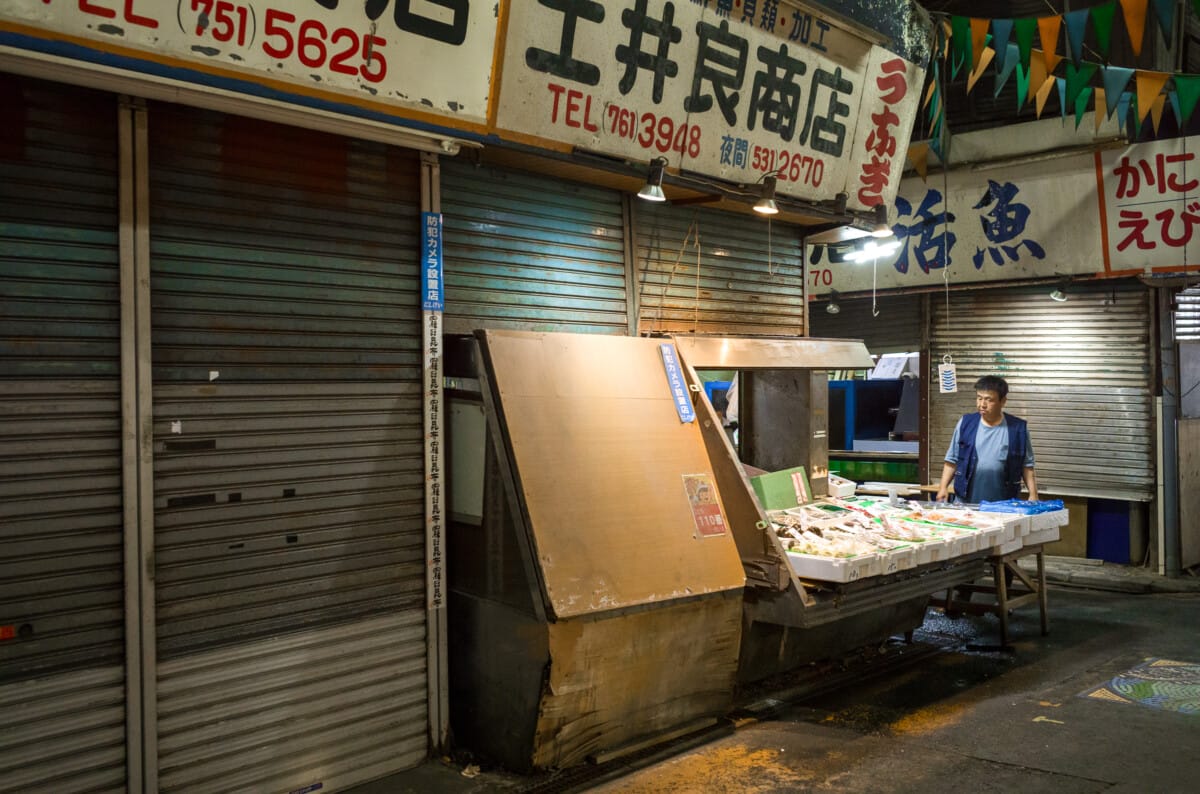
1054	714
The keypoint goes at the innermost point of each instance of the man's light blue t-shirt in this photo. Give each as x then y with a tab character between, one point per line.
991	447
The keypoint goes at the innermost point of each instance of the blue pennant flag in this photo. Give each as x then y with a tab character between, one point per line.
1115	80
1076	24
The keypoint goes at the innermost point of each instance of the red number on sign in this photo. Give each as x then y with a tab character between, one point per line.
312	37
224	28
338	63
274	26
373	57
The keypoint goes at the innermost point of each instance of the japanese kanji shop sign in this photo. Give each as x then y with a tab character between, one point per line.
1151	205
431	57
1036	220
725	89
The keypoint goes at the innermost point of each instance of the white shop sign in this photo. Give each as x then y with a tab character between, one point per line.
716	88
431	57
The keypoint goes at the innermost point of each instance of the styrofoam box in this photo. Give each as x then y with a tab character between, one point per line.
900	558
834	569
1032	539
1055	518
932	550
960	543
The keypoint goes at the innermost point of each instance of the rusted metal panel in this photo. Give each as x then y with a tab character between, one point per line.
699	271
1189	492
528	252
288	469
1078	371
62	636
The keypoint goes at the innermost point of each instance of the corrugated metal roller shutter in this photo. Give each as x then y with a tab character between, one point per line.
1187	315
62	651
746	278
895	329
288	456
1078	371
525	251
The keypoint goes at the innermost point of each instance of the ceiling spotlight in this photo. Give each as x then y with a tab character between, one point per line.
881	228
766	205
652	190
832	307
1059	294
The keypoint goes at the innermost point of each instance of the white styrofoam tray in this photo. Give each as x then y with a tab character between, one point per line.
835	569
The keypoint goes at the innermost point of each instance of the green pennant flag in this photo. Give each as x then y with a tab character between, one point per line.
1102	21
1083	100
1022	85
1025	28
1077	79
960	42
1187	86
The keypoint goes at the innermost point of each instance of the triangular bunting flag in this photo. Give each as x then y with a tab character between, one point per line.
1062	97
1135	22
1037	74
1164	10
1187	87
1022	86
1048	28
984	61
1076	23
1077	79
918	155
1081	104
929	92
1043	93
1001	33
1173	96
1123	112
960	42
1115	80
1024	28
1156	111
979	29
1100	103
1006	70
1102	21
1149	85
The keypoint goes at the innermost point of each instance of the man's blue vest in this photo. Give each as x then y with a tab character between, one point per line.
1014	464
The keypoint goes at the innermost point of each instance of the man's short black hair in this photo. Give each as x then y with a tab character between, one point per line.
993	383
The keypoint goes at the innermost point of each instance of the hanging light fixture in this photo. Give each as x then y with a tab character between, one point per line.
832	307
652	190
881	228
1059	293
872	250
766	205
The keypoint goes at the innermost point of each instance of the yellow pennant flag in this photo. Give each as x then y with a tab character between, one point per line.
929	93
918	155
979	29
1048	28
1149	86
1134	12
1043	93
1037	76
1156	111
984	61
1101	109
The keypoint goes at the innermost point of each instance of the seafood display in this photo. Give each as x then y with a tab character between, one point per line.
843	539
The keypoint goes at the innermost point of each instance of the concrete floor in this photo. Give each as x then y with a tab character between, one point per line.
934	716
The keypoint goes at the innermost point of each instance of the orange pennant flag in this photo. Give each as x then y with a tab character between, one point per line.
1149	86
1048	28
949	30
1156	111
979	29
1037	76
984	61
918	155
1101	109
929	93
1043	93
1135	22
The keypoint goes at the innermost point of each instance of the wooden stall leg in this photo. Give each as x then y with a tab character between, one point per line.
1041	583
1002	594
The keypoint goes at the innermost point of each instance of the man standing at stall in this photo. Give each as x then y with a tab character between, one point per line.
990	454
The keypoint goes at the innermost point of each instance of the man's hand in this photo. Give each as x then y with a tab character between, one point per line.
948	470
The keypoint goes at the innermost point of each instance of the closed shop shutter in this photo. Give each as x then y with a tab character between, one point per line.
708	272
1078	371
529	252
895	329
288	456
62	639
1187	315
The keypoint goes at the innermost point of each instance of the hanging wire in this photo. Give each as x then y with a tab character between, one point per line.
675	268
696	302
874	270
944	155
